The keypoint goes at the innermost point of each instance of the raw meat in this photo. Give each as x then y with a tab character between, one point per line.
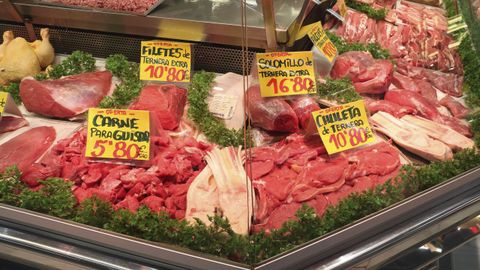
26	148
426	109
394	109
166	102
132	6
65	97
448	83
202	197
272	114
161	185
369	76
377	159
303	107
296	171
10	123
455	107
445	134
235	192
412	140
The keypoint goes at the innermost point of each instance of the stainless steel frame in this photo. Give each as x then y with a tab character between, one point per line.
210	21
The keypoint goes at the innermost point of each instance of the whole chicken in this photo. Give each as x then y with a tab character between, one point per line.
7	38
19	59
44	49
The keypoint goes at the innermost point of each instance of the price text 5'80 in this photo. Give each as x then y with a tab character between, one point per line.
132	151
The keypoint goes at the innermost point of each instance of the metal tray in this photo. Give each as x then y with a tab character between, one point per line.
53	3
372	241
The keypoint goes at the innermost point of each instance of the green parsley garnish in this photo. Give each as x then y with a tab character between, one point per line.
213	128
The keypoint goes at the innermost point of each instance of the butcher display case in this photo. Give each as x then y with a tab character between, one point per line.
413	233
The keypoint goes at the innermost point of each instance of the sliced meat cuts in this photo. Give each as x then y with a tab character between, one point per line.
448	83
369	76
412	140
455	107
394	109
26	148
427	109
377	159
272	114
296	171
166	102
303	107
445	134
10	123
65	97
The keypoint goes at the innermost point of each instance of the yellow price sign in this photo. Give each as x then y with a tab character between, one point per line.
165	61
286	73
344	127
322	42
342	8
3	101
118	134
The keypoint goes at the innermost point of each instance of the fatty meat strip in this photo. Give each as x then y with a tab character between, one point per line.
235	193
412	140
445	134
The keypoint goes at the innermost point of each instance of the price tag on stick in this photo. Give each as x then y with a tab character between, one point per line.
165	61
7	105
286	73
344	127
320	40
118	134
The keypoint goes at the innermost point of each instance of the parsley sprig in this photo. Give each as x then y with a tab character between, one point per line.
213	128
342	46
377	14
341	91
130	85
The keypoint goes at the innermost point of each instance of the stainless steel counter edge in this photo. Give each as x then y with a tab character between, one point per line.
169	22
345	247
157	252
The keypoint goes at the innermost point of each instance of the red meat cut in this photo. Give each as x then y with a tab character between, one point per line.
10	123
272	114
303	108
369	76
394	109
26	148
427	109
65	97
165	101
455	107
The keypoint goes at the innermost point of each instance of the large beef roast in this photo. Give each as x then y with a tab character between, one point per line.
166	102
65	97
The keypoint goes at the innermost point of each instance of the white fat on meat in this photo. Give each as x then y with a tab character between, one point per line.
413	140
222	186
231	85
445	134
202	197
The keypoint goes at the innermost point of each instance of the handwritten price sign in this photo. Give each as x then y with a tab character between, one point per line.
286	73
3	101
344	127
322	42
165	61
118	134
